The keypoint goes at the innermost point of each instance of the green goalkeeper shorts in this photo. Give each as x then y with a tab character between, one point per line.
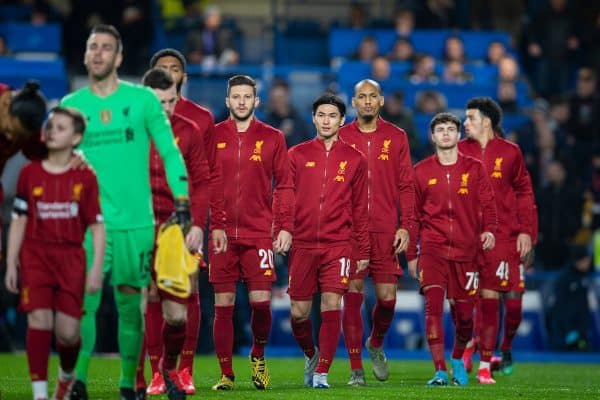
127	255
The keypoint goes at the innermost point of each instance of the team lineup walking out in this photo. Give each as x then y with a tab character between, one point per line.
117	164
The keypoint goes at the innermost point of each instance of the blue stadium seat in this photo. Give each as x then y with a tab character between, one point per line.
512	121
483	74
51	74
429	41
477	42
407	330
15	12
22	37
422	126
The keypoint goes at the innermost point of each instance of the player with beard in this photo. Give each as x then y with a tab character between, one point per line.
502	271
390	209
456	216
174	62
259	221
122	119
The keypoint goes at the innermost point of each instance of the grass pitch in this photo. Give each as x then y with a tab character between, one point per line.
407	381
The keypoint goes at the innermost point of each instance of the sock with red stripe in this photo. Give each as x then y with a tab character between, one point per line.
223	338
353	328
383	313
154	344
434	307
261	326
38	344
513	313
329	336
463	326
302	331
192	330
489	328
173	338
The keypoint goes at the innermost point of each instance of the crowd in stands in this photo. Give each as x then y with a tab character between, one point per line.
544	75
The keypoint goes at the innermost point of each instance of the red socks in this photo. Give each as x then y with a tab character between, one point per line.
383	313
67	353
512	318
463	326
329	336
154	323
38	344
192	331
434	308
223	337
302	331
353	328
173	338
489	328
261	326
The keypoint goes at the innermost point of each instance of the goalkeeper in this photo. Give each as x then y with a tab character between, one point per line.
122	118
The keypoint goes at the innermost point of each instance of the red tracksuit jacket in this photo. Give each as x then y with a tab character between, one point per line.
390	179
510	180
454	205
331	196
250	161
189	141
206	125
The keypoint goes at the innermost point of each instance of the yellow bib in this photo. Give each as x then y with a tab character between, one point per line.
173	262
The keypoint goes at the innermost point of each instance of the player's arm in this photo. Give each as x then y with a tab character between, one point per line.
92	217
283	197
360	219
525	205
16	233
488	209
411	252
159	128
406	189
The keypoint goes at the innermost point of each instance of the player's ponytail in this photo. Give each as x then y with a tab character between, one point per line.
29	106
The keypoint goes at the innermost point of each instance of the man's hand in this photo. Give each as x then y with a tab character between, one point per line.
194	239
94	280
219	239
523	244
182	214
11	278
361	265
401	241
412	268
528	259
489	240
282	244
79	161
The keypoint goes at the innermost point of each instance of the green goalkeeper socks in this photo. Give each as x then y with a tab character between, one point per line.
91	302
131	334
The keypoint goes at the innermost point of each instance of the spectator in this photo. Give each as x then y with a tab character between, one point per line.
454	72
437	14
559	216
508	69
398	114
591	38
570	325
454	49
430	102
423	70
4	50
498	15
282	115
380	69
552	40
367	50
359	16
507	96
135	26
402	50
496	51
404	23
213	44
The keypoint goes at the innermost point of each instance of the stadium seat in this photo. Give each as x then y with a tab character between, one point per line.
51	74
483	74
23	37
407	330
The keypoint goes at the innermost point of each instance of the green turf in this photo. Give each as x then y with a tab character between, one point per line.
407	381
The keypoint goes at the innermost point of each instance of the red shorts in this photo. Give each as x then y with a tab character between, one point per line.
249	260
324	270
54	277
460	279
501	269
383	263
162	294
